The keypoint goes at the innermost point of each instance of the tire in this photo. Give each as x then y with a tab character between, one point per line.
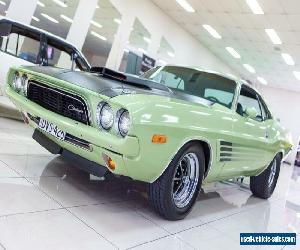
264	184
178	177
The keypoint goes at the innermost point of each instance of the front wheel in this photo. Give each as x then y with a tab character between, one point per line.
264	184
174	193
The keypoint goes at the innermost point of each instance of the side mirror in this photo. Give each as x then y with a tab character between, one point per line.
251	112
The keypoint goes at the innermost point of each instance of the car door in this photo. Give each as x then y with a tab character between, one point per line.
245	152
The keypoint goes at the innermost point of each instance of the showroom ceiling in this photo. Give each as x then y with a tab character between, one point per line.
244	31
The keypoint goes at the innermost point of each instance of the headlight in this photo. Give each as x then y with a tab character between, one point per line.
24	84
20	83
17	81
124	122
105	116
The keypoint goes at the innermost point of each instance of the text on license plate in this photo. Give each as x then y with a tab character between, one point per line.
52	129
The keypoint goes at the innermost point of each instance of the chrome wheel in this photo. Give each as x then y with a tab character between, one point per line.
185	179
272	173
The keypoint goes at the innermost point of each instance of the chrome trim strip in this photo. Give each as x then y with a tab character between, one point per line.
77	142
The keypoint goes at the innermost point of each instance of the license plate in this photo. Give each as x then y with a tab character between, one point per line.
51	129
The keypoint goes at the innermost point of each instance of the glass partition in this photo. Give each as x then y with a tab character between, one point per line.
54	18
101	34
165	53
136	48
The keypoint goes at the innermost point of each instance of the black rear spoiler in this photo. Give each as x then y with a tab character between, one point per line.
128	79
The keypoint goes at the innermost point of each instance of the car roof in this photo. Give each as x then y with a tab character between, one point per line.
41	31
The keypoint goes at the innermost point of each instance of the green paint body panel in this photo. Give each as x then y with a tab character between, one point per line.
248	152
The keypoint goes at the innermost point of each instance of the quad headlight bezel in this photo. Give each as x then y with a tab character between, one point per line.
123	122
105	116
107	119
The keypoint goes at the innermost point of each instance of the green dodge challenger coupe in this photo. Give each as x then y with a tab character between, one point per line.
174	128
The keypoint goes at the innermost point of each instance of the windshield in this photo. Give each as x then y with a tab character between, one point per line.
209	86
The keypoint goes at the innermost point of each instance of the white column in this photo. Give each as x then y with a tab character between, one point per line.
79	28
122	36
21	11
81	22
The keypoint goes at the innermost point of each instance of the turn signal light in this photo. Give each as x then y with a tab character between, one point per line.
159	139
109	162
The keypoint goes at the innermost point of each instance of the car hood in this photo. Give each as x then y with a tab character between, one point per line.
113	87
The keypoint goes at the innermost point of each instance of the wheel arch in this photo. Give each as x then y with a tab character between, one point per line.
207	149
281	153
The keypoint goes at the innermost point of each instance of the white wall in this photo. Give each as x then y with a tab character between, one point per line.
188	50
285	105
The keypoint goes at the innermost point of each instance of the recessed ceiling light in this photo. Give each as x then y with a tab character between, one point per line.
98	36
117	20
60	3
185	5
171	54
147	39
96	24
288	59
97	7
40	4
35	19
233	52
68	19
249	68
273	36
212	31
262	80
50	18
255	7
2	3
297	74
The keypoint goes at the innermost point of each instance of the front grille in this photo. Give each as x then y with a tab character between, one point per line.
58	101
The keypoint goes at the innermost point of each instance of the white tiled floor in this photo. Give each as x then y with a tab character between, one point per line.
47	204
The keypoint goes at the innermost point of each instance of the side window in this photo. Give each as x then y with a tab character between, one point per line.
58	58
265	112
249	99
11	44
21	46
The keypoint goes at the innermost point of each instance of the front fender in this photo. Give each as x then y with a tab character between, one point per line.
179	121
